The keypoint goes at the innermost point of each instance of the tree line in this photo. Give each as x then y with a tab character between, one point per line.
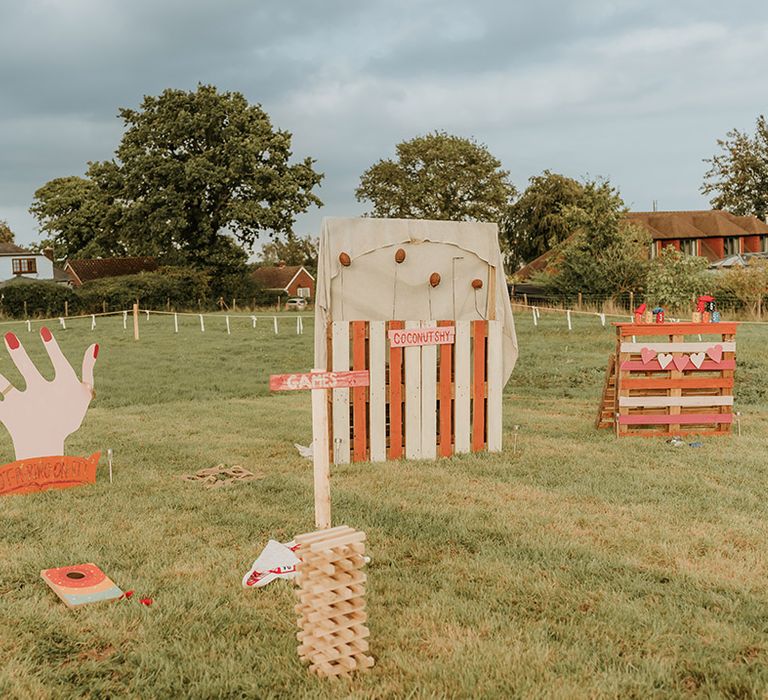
199	176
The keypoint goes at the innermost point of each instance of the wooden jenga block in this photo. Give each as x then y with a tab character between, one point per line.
331	617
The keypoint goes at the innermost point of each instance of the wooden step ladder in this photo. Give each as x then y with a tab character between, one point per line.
607	410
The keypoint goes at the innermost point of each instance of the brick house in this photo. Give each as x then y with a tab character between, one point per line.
82	271
292	280
712	234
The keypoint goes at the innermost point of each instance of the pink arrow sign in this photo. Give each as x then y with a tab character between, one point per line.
318	380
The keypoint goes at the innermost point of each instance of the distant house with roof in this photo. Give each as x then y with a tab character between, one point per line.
87	270
292	280
17	263
712	234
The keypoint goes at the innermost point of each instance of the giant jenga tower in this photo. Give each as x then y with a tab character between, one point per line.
332	633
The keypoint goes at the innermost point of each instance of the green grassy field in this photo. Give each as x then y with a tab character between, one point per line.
576	566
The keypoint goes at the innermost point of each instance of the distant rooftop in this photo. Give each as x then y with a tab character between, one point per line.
709	223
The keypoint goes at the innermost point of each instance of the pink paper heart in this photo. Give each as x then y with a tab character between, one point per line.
715	352
647	354
681	362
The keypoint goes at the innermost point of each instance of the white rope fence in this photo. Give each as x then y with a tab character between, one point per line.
124	314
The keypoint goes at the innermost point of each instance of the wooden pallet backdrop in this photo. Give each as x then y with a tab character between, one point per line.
672	379
423	401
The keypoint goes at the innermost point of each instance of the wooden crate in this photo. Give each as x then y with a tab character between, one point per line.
675	378
333	637
423	401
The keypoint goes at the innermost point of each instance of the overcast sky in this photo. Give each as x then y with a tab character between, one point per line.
637	91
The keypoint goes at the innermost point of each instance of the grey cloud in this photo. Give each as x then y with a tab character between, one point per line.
635	90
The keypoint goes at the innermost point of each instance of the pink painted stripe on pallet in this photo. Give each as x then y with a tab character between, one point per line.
680	419
654	366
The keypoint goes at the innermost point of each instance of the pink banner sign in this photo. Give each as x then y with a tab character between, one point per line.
408	337
318	380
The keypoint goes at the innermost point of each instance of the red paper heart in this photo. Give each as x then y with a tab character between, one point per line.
647	354
681	362
715	352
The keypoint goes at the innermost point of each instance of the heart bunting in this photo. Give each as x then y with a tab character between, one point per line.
647	354
681	362
698	359
664	359
715	352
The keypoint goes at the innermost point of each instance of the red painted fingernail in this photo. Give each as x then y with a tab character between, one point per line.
12	340
95	351
46	334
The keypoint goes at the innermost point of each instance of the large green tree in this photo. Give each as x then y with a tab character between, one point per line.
606	256
438	176
292	250
78	220
191	168
538	220
6	234
738	176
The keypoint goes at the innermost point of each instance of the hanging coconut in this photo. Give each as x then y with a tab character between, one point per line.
344	259
477	284
399	255
434	279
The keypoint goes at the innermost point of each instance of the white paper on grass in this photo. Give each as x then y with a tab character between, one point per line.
276	560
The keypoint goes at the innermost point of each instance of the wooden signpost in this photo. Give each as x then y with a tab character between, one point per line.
319	382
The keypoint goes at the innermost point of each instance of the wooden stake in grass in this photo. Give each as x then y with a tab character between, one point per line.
319	382
136	321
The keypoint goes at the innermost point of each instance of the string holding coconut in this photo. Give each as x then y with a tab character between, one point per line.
344	259
434	279
399	255
477	284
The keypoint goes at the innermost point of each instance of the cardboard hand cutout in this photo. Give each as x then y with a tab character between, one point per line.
45	413
41	416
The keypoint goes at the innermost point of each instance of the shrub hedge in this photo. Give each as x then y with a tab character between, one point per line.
174	287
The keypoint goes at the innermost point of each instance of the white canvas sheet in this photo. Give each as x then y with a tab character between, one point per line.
376	288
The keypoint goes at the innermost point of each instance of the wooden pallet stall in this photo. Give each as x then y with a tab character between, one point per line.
674	378
423	401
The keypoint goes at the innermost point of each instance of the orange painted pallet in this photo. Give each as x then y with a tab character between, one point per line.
428	394
673	379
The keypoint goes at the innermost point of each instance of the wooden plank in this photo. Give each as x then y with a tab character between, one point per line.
495	386
428	396
340	363
445	392
359	395
675	419
377	349
478	385
412	398
664	401
644	329
675	374
677	347
395	398
461	404
683	383
715	431
654	366
318	380
320	461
